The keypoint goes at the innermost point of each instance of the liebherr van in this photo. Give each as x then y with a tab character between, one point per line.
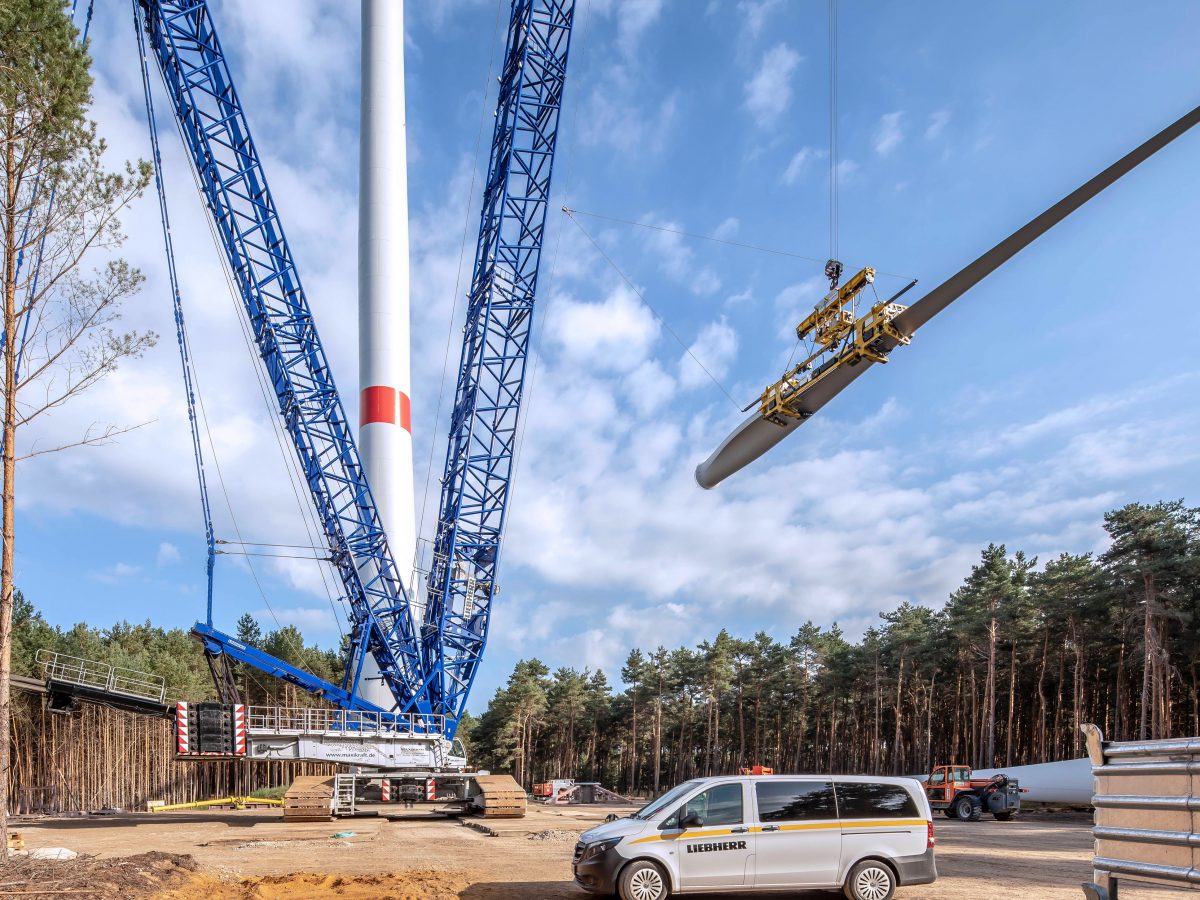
862	834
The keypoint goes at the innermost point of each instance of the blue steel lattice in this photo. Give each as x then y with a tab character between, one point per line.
483	425
185	46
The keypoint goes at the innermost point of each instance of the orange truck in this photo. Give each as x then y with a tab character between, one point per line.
952	790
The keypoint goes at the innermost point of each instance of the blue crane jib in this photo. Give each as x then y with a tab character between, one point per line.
429	673
491	375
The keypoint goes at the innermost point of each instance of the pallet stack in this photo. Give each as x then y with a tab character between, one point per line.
309	799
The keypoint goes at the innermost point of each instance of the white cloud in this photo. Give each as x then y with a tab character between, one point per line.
937	124
769	91
727	229
754	14
634	17
677	259
714	349
613	335
167	553
800	163
116	573
846	170
889	133
311	621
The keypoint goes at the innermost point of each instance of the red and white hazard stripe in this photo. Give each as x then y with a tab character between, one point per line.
181	727
239	729
431	789
387	790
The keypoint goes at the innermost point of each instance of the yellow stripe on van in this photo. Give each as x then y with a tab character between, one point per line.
797	826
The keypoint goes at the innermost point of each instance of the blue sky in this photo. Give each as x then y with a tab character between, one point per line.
1059	388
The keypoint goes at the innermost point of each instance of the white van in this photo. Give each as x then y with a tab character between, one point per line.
863	834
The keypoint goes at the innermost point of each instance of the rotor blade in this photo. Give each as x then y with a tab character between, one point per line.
957	285
755	436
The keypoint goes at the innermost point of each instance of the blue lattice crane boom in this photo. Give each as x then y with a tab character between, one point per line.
212	121
483	426
429	673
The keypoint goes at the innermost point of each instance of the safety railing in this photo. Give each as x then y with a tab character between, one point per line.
293	720
100	676
1147	825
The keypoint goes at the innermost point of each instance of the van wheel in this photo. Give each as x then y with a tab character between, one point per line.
968	809
643	880
870	880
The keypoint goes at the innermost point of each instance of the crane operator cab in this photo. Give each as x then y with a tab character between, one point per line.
864	835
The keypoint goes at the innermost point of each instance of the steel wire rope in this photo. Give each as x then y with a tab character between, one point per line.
568	166
662	320
233	295
715	240
462	251
834	223
291	464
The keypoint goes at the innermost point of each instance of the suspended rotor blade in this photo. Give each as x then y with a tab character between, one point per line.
755	436
957	285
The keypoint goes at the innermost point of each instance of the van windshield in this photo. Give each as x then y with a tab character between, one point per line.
674	795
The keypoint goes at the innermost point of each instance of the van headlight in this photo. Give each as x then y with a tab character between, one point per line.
594	850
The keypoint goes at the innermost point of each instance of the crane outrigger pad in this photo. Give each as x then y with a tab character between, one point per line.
309	799
499	797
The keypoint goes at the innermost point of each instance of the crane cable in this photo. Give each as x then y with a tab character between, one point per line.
462	251
177	305
199	396
834	223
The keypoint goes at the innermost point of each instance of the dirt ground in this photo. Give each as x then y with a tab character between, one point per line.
253	855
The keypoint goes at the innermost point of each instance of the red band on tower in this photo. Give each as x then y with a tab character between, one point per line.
379	405
405	412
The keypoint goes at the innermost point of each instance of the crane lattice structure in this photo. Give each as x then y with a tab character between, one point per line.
429	673
487	403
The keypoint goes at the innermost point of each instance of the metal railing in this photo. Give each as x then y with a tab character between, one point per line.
302	720
1147	825
100	676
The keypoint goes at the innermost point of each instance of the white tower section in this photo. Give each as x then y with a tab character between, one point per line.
385	429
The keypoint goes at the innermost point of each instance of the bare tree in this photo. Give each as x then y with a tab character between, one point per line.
60	212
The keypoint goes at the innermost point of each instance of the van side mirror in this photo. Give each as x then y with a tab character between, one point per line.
691	820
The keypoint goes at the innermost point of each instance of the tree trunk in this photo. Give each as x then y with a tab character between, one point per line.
989	698
658	734
1148	666
897	762
1012	698
8	492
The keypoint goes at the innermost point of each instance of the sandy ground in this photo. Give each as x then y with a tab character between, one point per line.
253	855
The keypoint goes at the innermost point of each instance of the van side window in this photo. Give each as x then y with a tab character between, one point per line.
794	801
868	800
720	805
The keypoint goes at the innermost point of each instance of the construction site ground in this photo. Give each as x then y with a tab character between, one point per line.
253	855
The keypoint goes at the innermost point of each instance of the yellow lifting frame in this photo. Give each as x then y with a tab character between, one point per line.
831	319
780	401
